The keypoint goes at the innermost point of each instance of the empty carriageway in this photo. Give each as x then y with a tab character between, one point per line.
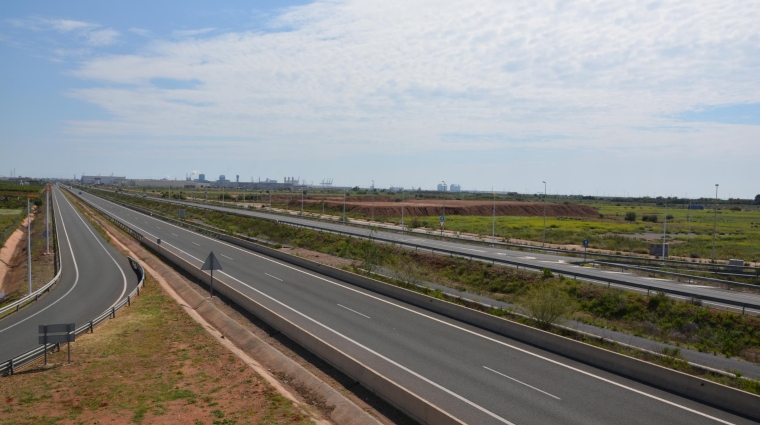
474	375
94	277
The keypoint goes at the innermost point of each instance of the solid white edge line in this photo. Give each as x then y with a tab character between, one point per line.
340	305
76	269
589	374
521	382
123	276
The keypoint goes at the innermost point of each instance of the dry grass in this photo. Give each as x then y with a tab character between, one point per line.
152	364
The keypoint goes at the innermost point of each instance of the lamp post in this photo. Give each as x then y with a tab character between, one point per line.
443	222
493	220
344	206
303	192
664	232
47	219
373	200
543	238
715	222
29	240
402	210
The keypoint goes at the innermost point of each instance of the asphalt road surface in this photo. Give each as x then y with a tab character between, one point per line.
527	258
94	276
475	375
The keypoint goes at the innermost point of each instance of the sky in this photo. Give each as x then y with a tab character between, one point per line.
594	97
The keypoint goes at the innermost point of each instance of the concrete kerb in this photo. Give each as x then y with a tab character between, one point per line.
696	388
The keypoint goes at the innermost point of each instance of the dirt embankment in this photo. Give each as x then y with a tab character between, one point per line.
428	207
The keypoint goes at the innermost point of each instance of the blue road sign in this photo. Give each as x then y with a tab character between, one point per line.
585	243
443	218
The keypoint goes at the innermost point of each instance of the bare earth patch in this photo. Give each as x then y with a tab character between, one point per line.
319	257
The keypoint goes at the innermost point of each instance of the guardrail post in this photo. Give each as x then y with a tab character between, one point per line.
113	312
10	366
129	301
91	331
743	307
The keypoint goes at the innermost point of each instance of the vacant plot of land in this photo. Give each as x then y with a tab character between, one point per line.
152	364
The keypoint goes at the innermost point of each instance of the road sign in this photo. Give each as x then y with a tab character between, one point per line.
585	243
443	218
211	264
62	333
181	213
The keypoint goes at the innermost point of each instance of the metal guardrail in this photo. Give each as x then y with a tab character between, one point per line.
482	241
690	277
576	275
34	296
13	365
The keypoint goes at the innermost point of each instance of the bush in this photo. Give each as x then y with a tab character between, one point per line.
630	216
546	274
547	304
669	216
649	218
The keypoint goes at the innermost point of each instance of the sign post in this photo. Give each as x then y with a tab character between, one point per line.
443	221
585	248
211	264
62	333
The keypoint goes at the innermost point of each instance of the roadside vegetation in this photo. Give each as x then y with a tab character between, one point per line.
656	317
625	226
13	206
152	364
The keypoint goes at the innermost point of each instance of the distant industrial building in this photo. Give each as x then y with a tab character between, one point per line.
441	187
455	188
115	180
223	179
201	178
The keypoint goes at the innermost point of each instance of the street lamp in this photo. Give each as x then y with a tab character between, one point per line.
303	192
344	206
443	222
402	210
543	239
493	220
715	222
373	200
664	232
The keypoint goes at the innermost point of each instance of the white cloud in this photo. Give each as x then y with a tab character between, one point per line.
390	76
140	31
102	37
191	33
66	25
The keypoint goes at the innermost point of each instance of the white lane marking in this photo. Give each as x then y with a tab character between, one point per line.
274	277
521	382
76	269
500	253
196	243
230	258
472	249
173	233
158	228
583	372
123	276
354	311
529	258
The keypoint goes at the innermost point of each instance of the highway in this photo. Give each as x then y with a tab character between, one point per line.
94	276
531	259
476	376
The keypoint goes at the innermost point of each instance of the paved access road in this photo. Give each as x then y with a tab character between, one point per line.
475	375
94	276
554	261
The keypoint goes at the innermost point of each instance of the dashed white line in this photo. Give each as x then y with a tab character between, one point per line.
227	257
354	311
274	277
196	243
175	234
521	382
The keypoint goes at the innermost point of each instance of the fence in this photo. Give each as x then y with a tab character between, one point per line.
13	365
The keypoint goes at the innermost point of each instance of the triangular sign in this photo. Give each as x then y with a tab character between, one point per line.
211	263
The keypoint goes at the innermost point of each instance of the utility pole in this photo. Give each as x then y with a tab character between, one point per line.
373	200
47	219
493	220
689	219
29	240
303	192
443	222
664	232
543	238
402	210
345	192
715	222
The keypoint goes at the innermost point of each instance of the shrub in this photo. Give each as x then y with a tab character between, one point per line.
630	216
546	274
649	218
547	304
669	216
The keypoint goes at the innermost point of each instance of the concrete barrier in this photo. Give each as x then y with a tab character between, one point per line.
689	386
407	401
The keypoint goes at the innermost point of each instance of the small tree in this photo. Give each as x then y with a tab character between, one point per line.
757	199
408	272
630	216
547	304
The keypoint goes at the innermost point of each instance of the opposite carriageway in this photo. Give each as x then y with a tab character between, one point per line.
735	300
95	277
475	375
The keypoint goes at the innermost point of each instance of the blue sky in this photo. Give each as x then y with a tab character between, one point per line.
593	97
